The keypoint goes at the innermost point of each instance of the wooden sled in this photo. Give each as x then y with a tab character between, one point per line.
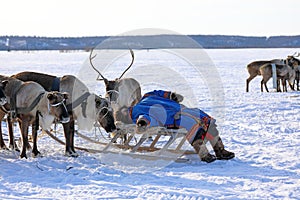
167	144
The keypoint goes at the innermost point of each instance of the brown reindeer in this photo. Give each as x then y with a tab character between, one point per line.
283	71
84	107
253	69
30	104
122	92
296	63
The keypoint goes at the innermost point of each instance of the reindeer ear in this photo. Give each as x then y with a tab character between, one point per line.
50	96
105	81
4	83
66	95
98	102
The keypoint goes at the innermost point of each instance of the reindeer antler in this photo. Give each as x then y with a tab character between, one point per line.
132	56
91	58
295	54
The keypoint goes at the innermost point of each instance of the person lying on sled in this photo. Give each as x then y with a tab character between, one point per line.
163	108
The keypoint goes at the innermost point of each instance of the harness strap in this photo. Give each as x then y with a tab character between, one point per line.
4	108
55	84
80	101
13	101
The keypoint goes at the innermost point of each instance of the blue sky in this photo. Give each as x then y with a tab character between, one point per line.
112	17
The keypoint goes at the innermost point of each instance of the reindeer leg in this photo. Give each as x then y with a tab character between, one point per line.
24	124
264	82
69	136
12	143
248	82
2	143
247	85
298	79
291	86
278	85
35	127
266	87
28	146
262	85
72	132
284	85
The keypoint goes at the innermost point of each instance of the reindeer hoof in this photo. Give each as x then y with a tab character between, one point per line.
36	154
14	148
71	154
23	156
20	144
3	147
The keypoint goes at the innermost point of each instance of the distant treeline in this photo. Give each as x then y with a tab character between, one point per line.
8	43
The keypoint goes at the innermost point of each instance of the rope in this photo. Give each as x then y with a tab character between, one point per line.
63	143
103	136
96	122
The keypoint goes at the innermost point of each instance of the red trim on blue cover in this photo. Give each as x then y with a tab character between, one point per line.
130	112
167	94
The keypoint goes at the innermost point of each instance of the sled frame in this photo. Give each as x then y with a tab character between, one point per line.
142	148
154	132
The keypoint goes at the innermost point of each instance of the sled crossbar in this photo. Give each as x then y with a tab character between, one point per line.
157	133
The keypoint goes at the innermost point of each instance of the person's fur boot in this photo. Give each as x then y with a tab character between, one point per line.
201	150
220	151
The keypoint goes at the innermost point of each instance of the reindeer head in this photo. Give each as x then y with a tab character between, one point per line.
105	114
112	86
3	99
112	89
57	105
292	61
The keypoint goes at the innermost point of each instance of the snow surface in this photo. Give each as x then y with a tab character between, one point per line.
261	128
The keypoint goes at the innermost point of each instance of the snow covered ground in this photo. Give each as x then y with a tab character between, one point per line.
261	128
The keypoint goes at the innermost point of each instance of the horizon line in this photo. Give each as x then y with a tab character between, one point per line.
147	35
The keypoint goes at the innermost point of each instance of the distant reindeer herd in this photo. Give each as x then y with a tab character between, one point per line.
285	70
39	100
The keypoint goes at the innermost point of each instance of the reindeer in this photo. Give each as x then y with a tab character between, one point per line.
283	71
28	102
82	105
253	69
296	63
122	92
